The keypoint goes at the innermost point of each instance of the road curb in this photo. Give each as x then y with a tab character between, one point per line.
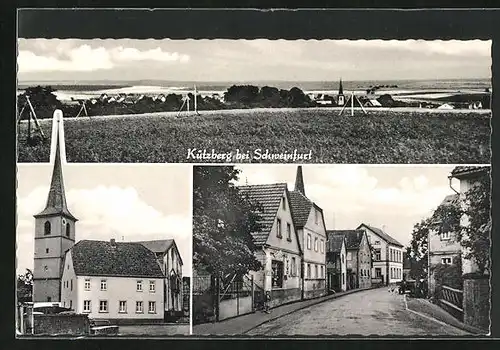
464	327
334	296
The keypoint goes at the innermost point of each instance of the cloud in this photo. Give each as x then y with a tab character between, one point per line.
85	58
449	47
105	212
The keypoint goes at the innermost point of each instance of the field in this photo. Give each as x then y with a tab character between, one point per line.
382	136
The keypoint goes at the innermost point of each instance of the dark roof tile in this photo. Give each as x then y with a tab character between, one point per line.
353	237
383	235
301	208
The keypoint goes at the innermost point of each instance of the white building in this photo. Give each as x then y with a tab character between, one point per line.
120	282
387	257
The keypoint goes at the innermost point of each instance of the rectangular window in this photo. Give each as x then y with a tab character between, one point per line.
278	228
103	306
87	284
139	286
343	278
139	307
308	241
277	273
316	244
446	261
445	236
316	216
122	306
378	255
322	272
316	271
152	286
322	246
86	306
284	203
308	270
288	232
294	267
71	304
349	255
104	285
71	283
152	307
378	272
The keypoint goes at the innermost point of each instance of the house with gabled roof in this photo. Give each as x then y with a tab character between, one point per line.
358	257
310	225
387	255
170	260
336	268
278	244
117	281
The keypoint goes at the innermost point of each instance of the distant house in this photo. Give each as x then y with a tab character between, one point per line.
444	248
336	263
388	255
358	258
170	260
278	244
104	97
160	98
340	96
372	103
311	230
121	98
445	106
116	281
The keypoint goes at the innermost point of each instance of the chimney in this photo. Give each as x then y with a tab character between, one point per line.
299	181
113	242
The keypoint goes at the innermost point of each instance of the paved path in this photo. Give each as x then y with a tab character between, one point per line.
371	312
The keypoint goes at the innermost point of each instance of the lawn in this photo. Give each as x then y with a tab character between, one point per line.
382	136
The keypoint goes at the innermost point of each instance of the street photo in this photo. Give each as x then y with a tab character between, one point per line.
341	250
302	101
102	250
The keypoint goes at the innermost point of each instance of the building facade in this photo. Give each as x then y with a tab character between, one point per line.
336	263
120	282
358	258
387	255
170	260
310	225
279	248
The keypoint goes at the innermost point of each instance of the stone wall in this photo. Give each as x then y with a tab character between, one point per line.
476	302
61	324
315	288
283	296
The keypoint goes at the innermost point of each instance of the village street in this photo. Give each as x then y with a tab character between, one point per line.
371	312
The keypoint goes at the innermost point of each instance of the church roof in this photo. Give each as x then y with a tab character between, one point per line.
114	259
56	200
269	198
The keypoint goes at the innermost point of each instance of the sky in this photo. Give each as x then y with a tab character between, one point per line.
127	202
391	197
251	60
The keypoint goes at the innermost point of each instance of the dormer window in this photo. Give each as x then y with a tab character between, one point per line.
68	229
46	228
284	203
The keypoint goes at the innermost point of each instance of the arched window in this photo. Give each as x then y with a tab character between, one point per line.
46	228
68	229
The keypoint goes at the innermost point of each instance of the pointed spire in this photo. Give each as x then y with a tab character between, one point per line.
299	181
56	200
341	89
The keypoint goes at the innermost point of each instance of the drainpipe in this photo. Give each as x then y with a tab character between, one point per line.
454	190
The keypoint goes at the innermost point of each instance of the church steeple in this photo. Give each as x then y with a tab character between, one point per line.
341	89
299	181
56	200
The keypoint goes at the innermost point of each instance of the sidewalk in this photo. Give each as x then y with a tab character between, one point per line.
425	307
245	323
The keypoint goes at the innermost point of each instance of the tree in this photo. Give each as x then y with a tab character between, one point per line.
417	251
25	286
223	221
43	100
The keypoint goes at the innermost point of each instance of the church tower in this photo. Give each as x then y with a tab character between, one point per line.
299	181
54	235
341	98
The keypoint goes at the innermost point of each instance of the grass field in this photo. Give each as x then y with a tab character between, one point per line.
382	136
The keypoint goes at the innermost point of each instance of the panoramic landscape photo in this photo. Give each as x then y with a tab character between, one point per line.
257	101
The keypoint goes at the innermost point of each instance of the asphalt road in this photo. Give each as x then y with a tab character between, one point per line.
371	312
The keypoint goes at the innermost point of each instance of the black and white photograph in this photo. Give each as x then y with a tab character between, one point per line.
257	101
341	250
104	249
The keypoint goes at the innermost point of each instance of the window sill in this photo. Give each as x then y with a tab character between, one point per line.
152	291
151	312
139	312
104	290
140	291
289	239
86	311
103	312
122	312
